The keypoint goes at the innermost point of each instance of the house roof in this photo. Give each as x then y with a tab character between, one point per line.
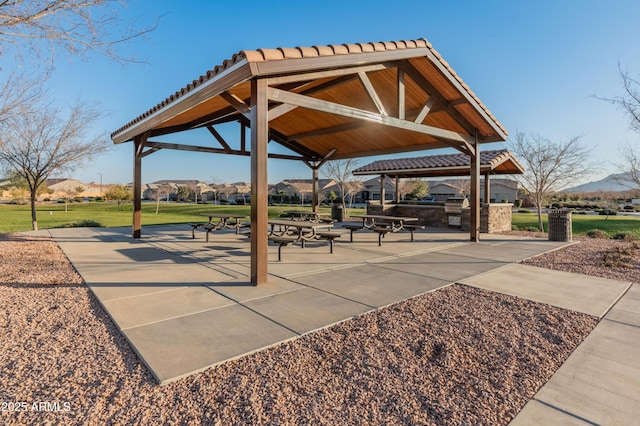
494	162
347	100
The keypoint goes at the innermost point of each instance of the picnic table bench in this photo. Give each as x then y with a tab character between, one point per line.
382	224
231	221
291	231
308	215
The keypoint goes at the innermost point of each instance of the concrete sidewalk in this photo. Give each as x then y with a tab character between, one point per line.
186	305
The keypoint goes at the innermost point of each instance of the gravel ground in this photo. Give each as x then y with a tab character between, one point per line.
458	355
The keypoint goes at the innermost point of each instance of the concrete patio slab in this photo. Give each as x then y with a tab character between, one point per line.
134	311
536	413
175	348
581	293
242	290
306	309
372	285
505	250
439	265
627	310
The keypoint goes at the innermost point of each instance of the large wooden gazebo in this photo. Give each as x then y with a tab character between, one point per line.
321	102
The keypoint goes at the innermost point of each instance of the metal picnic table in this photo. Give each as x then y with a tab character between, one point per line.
307	215
383	224
223	222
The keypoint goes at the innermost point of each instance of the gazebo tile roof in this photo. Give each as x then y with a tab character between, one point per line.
461	161
262	55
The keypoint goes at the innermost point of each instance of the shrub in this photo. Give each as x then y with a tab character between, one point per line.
524	211
621	257
87	223
518	203
625	235
607	212
598	233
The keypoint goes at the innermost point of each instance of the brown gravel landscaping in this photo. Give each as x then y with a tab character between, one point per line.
458	355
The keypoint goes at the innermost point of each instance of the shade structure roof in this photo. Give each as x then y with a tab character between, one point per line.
497	162
346	100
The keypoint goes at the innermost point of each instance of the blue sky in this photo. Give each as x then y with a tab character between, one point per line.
535	64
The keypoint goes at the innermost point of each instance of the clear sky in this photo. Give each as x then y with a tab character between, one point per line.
535	64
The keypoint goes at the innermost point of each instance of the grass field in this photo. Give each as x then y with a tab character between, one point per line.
15	218
583	223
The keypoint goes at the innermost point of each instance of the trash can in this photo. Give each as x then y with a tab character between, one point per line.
336	212
560	225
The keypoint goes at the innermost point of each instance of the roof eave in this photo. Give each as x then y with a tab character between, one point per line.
235	74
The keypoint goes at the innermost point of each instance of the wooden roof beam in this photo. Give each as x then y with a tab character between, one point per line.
371	91
195	148
219	138
433	93
455	139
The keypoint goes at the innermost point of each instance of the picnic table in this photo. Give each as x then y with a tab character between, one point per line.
307	215
302	230
290	231
383	224
223	222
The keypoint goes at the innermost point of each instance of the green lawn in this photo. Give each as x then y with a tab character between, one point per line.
15	218
583	223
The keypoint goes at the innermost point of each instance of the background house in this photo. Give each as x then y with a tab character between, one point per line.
500	189
371	190
301	190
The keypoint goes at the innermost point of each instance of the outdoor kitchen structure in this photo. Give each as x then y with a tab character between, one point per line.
455	211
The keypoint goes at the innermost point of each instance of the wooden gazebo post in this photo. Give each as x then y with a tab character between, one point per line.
259	186
487	187
315	190
382	190
474	218
138	146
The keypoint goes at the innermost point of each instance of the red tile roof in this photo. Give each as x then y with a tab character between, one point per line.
433	165
283	53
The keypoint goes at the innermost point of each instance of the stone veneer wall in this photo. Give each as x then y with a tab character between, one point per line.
495	217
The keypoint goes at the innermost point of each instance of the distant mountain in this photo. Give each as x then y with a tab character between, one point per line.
613	183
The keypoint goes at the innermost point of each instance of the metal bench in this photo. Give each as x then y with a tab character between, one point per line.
195	226
330	236
412	229
282	240
382	231
352	229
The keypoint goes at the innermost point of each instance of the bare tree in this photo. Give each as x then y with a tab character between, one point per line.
70	194
19	94
75	27
462	186
353	187
47	140
162	191
341	171
630	167
550	166
629	102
